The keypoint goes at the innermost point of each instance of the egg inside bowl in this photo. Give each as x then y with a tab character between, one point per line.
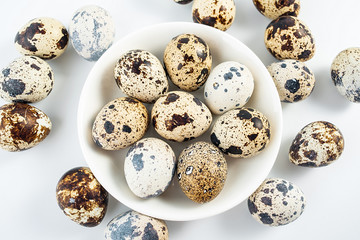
244	175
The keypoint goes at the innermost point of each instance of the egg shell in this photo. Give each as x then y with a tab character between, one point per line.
287	37
345	73
230	85
92	32
120	123
188	61
219	14
27	79
44	37
140	74
179	116
317	144
136	226
241	132
201	171
81	197
276	202
183	1
149	167
274	8
22	126
293	79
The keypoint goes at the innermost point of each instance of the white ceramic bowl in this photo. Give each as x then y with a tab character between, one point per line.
244	175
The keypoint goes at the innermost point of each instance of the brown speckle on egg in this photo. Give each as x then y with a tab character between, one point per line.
22	126
287	37
81	197
317	144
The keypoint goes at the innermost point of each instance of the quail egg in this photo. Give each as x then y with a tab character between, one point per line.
120	123
22	126
276	202
141	75
274	8
136	226
215	13
345	73
293	79
81	197
201	171
44	37
241	132
287	37
183	1
188	61
27	79
179	116
317	144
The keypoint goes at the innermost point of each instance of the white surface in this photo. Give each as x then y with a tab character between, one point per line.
245	175
28	179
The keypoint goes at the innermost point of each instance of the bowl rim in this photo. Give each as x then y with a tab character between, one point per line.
200	214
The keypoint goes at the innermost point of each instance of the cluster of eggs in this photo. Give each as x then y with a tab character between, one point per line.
30	78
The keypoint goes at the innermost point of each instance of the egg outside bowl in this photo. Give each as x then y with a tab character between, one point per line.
244	175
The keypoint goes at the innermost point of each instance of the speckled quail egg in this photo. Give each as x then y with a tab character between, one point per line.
287	37
317	144
120	123
179	116
188	61
345	73
26	79
149	167
22	126
140	74
81	197
215	13
275	8
293	79
92	32
183	1
201	171
136	226
276	202
241	132
230	85
44	37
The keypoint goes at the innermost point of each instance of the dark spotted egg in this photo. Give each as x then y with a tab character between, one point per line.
140	74
276	202
274	8
317	144
183	1
287	37
26	79
44	37
229	85
345	73
293	79
81	197
241	132
149	167
188	61
136	226
120	123
22	126
92	32
201	171
219	14
179	116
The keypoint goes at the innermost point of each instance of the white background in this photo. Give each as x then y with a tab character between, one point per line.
28	207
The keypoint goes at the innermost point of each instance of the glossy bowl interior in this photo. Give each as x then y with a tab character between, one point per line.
244	175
